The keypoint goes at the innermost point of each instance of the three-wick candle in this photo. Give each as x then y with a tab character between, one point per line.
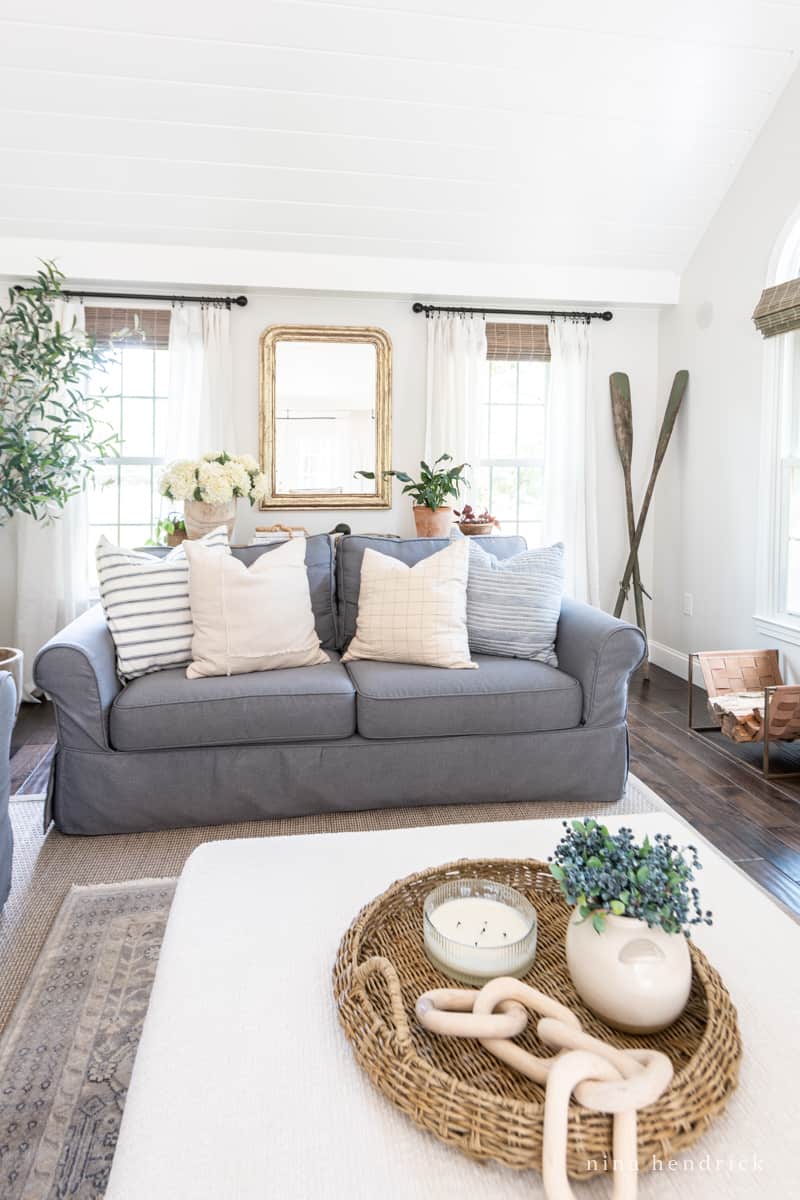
475	930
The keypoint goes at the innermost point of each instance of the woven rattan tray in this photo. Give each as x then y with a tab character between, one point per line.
466	1097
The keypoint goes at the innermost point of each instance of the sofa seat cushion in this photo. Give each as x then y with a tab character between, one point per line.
166	711
506	695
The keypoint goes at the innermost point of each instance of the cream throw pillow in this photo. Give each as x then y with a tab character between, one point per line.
414	614
255	618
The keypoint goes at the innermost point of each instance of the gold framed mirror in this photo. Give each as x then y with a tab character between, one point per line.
325	412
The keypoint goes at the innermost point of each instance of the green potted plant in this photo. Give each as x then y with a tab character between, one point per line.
432	515
170	531
633	904
50	429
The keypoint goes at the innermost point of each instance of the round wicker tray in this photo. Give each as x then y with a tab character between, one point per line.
462	1094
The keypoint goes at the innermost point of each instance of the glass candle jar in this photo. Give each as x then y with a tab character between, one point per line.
475	930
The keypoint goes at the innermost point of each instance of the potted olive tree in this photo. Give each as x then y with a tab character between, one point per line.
50	433
433	516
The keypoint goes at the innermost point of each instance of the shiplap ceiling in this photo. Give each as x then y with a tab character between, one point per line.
569	132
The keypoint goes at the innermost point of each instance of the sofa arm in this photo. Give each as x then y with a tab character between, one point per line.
601	653
78	671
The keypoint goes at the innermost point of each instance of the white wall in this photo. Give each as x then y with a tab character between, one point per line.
629	343
707	500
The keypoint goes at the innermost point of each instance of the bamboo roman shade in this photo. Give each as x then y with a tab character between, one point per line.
147	327
517	343
778	310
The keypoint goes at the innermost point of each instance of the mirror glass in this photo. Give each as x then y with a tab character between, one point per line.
325	415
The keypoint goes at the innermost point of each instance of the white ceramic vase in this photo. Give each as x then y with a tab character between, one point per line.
12	660
202	518
634	978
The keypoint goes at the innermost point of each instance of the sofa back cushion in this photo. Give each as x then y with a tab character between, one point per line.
408	550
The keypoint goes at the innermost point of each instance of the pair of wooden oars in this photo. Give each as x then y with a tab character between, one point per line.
623	431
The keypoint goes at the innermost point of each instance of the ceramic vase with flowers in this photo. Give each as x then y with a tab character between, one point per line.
633	904
210	488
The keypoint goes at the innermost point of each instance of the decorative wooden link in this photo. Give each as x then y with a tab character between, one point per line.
602	1077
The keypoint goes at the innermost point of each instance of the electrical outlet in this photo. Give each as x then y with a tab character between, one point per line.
688	604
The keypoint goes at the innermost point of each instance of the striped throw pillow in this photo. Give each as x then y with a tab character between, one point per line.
146	602
513	604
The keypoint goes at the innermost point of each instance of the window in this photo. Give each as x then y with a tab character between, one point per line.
788	523
123	498
511	476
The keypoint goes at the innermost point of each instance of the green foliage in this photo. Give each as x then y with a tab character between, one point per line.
166	527
601	873
50	431
435	485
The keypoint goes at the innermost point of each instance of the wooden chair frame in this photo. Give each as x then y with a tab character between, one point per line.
762	667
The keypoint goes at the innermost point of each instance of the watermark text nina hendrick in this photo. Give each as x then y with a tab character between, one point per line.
707	1165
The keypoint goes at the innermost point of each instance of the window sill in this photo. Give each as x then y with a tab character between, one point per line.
782	627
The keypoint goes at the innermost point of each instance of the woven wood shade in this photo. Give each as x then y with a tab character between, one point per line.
778	310
148	327
517	343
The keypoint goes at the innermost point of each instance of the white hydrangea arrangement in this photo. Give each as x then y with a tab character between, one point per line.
215	479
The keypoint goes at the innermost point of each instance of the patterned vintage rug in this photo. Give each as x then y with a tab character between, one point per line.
66	1058
68	1047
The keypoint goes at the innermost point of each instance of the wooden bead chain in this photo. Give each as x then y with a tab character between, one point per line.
602	1077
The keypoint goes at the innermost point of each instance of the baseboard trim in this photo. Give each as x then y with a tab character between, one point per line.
674	661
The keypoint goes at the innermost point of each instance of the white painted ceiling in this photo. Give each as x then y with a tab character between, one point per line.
573	132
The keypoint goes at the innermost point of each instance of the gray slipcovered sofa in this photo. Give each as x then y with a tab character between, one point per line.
8	711
165	751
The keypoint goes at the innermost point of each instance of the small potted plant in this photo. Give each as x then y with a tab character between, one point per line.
171	530
432	515
476	524
626	946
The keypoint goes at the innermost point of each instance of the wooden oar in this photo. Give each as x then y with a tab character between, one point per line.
667	425
622	413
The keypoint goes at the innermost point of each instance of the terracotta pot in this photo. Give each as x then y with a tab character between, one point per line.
433	523
476	528
12	660
175	539
202	518
635	978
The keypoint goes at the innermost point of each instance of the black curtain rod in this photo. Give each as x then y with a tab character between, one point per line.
418	307
228	301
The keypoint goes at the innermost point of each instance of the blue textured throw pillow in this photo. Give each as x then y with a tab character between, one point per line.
513	604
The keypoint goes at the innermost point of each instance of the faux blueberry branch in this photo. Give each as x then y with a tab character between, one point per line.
602	873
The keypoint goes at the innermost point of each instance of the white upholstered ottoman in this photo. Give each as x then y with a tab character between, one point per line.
244	1087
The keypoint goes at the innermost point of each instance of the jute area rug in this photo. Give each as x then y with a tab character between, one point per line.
79	943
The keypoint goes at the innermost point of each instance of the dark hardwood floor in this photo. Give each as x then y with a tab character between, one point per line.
705	778
754	822
32	745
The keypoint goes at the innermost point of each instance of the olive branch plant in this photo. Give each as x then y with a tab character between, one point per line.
51	428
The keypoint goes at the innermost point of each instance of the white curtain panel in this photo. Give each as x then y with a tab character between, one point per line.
457	386
52	560
200	410
570	487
